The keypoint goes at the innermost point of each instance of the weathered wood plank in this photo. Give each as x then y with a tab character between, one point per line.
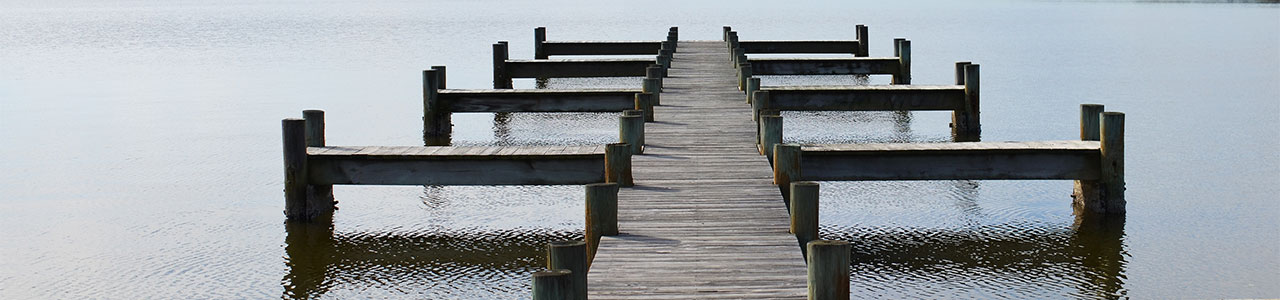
800	47
414	165
576	68
948	161
825	66
601	47
866	98
538	100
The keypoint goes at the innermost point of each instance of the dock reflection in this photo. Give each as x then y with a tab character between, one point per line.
319	261
1087	260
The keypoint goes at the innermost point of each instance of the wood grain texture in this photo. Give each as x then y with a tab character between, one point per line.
703	220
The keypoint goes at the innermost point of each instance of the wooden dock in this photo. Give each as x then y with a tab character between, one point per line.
704	219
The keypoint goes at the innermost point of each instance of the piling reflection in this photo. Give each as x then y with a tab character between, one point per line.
462	263
1005	261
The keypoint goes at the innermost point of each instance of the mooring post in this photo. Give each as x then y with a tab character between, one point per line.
966	124
437	124
552	285
318	195
669	55
652	87
1112	140
828	269
665	62
744	73
759	102
739	56
902	48
753	85
804	211
644	103
440	82
786	167
539	37
733	40
295	170
725	33
500	78
770	133
617	166
1087	193
863	37
602	214
654	71
572	256
631	130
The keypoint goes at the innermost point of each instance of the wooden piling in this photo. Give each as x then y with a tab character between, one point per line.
753	85
902	48
318	195
617	167
602	214
631	130
759	101
1087	194
1091	122
539	37
501	80
786	166
295	170
804	211
966	124
437	124
644	103
725	33
440	72
828	269
572	256
770	134
654	71
744	75
652	87
863	37
1112	140
552	285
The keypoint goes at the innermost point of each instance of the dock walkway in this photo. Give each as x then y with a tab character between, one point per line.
704	219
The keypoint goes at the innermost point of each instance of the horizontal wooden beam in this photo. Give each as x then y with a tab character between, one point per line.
409	165
824	66
801	47
538	100
577	68
601	47
1077	160
866	98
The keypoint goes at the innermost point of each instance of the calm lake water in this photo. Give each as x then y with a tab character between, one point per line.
141	146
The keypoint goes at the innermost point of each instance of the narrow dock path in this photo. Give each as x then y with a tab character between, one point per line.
704	220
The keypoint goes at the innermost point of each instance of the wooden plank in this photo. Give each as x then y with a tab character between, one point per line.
824	66
949	161
866	98
577	68
601	47
532	170
538	100
800	47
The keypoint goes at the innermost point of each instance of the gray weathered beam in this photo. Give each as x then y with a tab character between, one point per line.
866	98
553	165
950	161
801	47
825	66
577	68
550	48
538	100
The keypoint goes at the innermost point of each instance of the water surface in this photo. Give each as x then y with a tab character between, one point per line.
142	156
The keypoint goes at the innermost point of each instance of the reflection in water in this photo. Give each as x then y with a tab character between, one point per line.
454	264
998	261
